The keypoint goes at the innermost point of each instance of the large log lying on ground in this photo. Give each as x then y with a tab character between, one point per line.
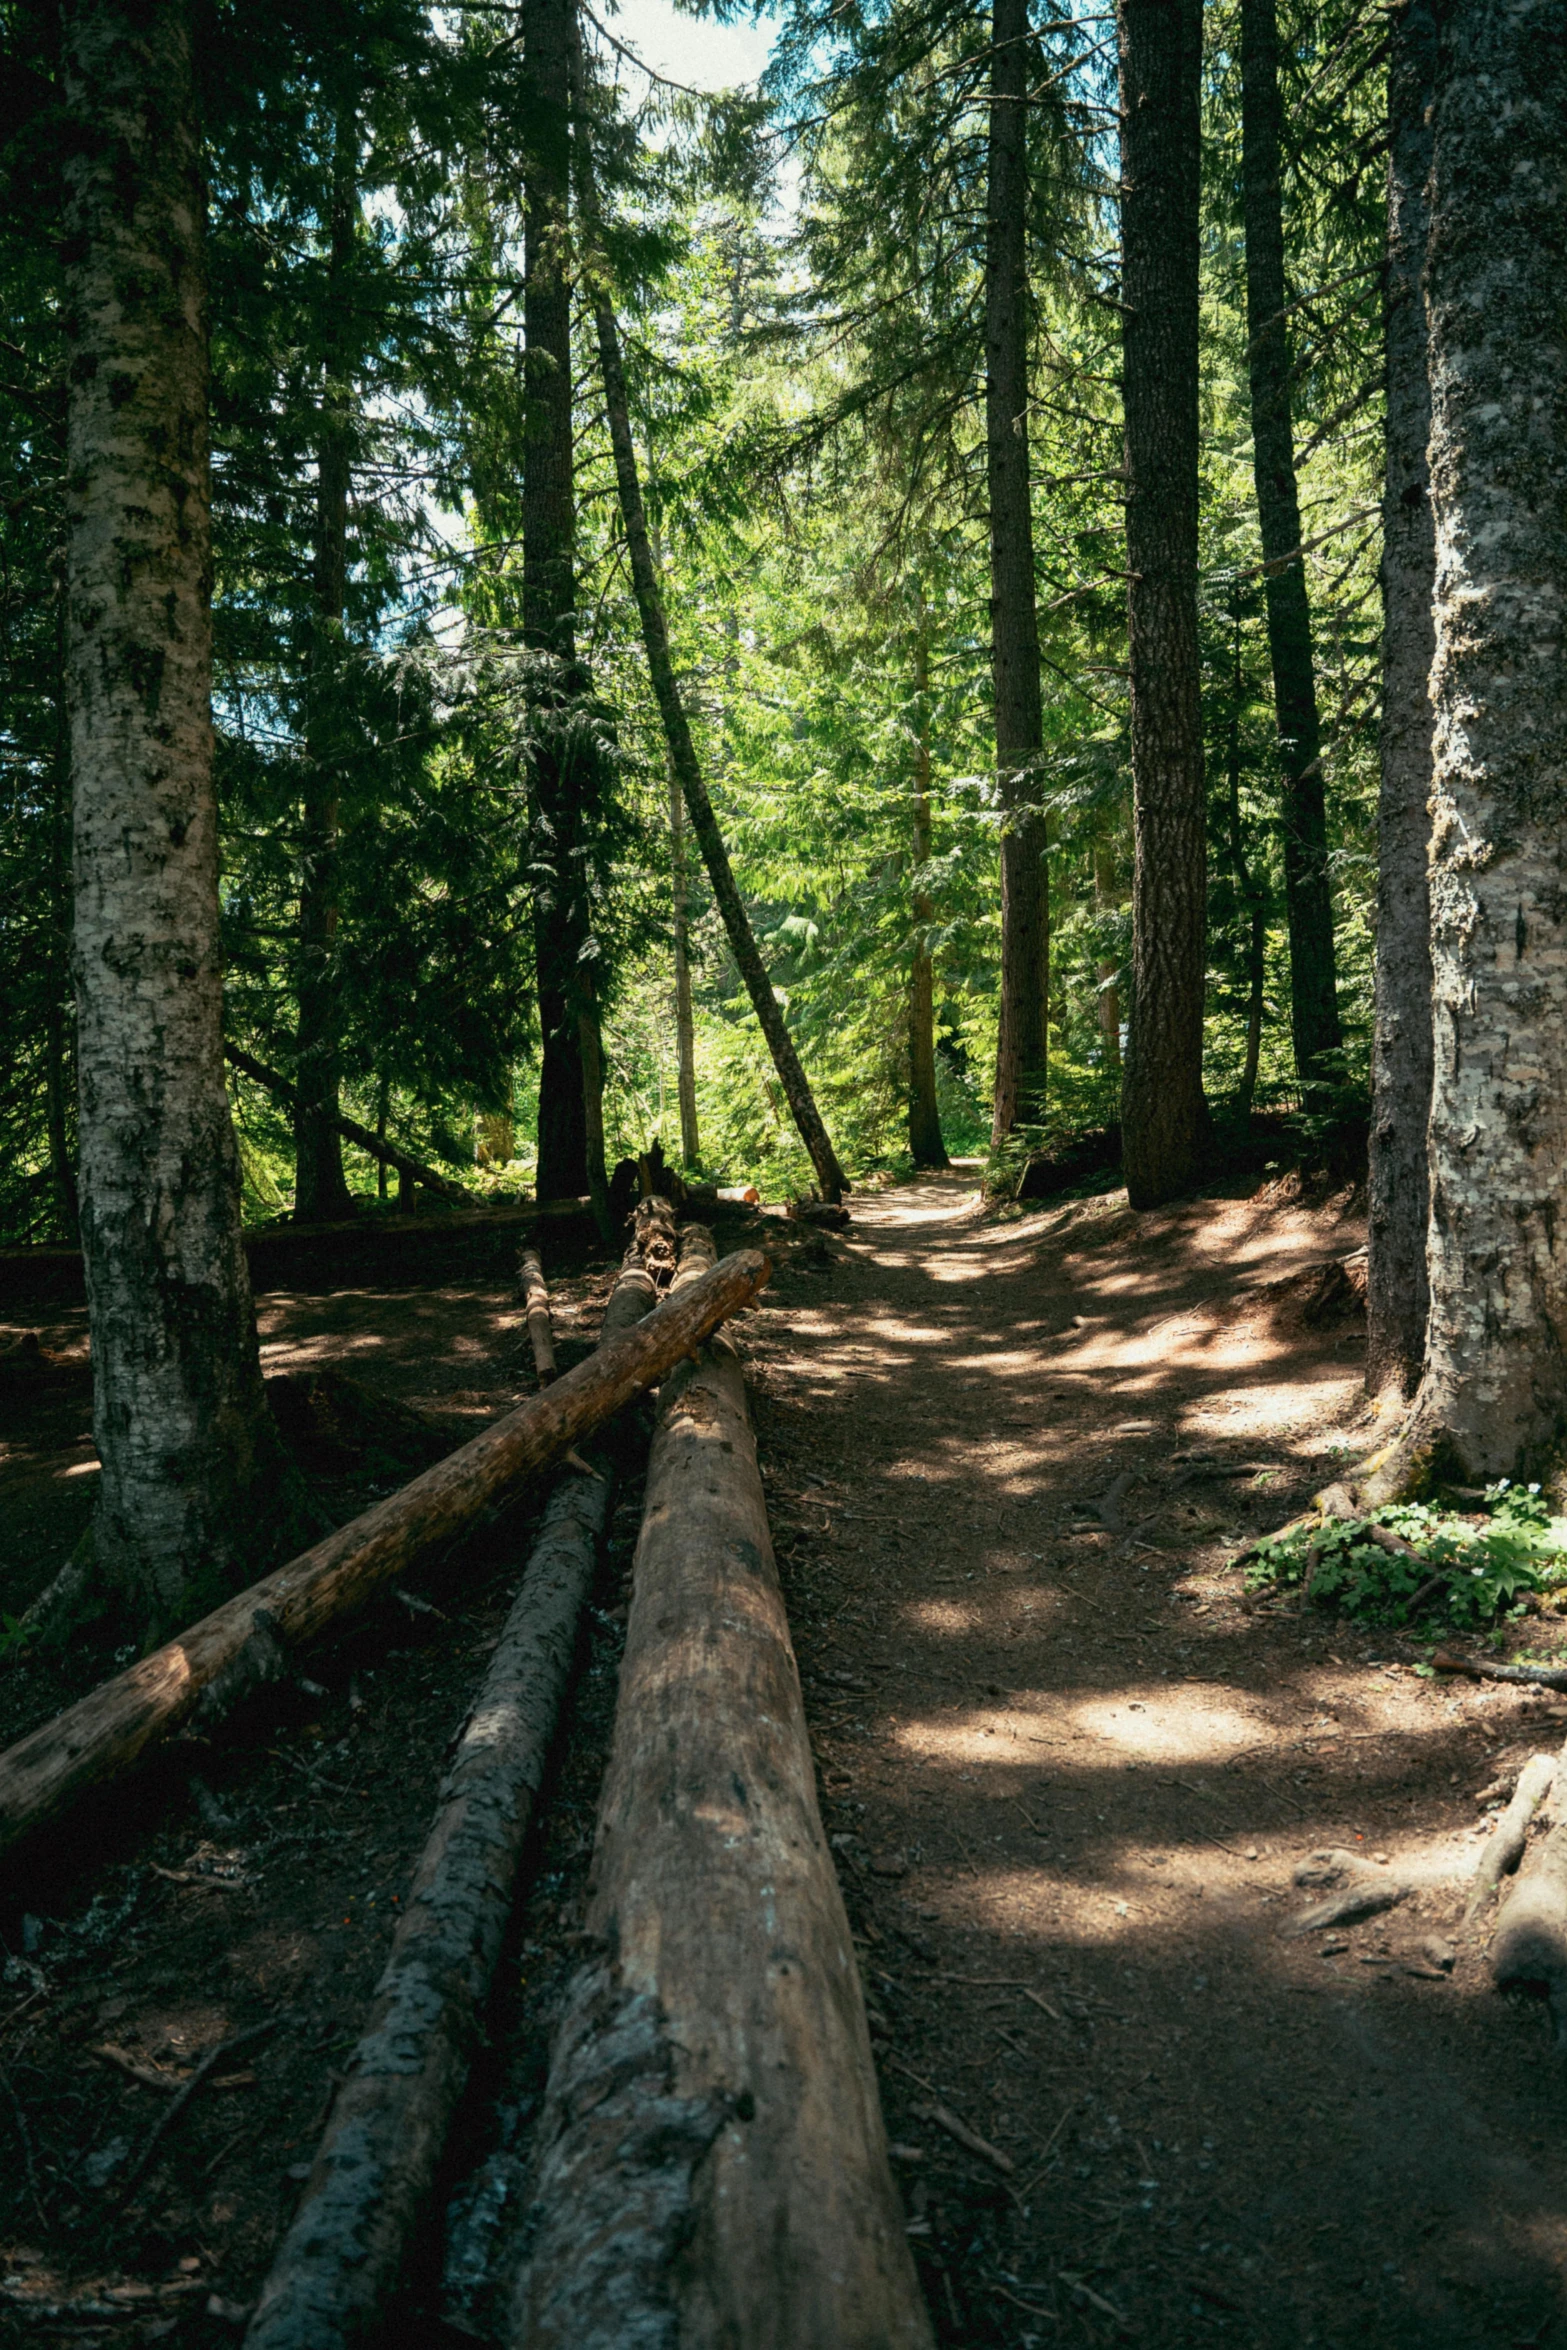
1505	1847
240	1645
273	1082
1529	1950
712	2167
374	2171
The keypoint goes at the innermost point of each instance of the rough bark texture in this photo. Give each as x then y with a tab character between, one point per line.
1022	1037
534	1293
564	768
1107	998
240	1645
1495	1386
1163	1115
713	2169
685	1027
374	2171
192	1469
320	1187
1307	898
1397	1290
683	760
926	1146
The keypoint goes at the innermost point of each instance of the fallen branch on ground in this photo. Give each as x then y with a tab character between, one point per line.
375	2167
535	1296
242	1645
711	2163
1445	1660
1504	1848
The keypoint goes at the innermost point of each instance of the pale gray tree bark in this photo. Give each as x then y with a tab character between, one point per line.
1401	1049
926	1146
192	1479
1493	1398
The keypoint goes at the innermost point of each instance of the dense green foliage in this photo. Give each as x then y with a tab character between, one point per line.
806	368
1459	1569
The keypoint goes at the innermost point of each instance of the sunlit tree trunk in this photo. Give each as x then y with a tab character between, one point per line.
320	1187
925	1138
685	1026
1252	894
1163	1115
1021	1044
1107	996
192	1481
1493	1398
1401	1055
1308	899
564	772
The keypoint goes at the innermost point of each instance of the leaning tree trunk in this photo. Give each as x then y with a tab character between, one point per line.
684	763
1163	1114
564	767
1308	899
191	1463
320	1187
1023	1034
1401	1052
1494	1393
926	1146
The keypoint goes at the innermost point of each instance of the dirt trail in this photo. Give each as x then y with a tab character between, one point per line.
1060	1758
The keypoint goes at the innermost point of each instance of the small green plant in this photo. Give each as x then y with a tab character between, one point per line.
1459	1571
15	1633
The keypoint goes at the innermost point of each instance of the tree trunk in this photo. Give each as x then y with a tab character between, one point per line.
1022	1041
1494	1393
1163	1114
1307	897
321	1193
711	2163
411	1170
1251	896
241	1646
192	1469
685	1027
564	774
1396	1295
1107	997
683	760
57	1084
925	1139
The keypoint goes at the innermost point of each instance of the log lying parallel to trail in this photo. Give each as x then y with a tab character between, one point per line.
1504	1848
1445	1660
711	2164
1529	1948
374	2170
532	1289
207	1669
377	1145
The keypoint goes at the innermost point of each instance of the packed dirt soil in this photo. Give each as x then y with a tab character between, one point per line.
1068	1769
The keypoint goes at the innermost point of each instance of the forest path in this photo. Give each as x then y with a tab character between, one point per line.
1059	1757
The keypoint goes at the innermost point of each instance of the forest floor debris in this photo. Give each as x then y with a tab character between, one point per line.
1045	1722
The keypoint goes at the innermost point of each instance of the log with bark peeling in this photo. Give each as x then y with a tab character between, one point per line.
535	1296
711	2161
206	1670
374	2171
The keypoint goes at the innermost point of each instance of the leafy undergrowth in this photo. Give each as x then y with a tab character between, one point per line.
1459	1570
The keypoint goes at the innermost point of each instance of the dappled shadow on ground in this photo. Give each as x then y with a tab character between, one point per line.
1068	1778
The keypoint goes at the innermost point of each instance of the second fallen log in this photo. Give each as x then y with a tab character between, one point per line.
711	2163
243	1642
535	1298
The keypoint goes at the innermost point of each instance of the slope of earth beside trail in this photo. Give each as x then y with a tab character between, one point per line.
1069	1777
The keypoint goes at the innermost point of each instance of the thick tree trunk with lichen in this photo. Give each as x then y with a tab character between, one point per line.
1401	1051
565	772
1023	1032
1163	1113
192	1469
1494	1392
1308	900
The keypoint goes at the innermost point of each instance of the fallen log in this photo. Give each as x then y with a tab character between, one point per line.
711	2164
205	1671
374	2170
272	1081
1504	1848
535	1296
